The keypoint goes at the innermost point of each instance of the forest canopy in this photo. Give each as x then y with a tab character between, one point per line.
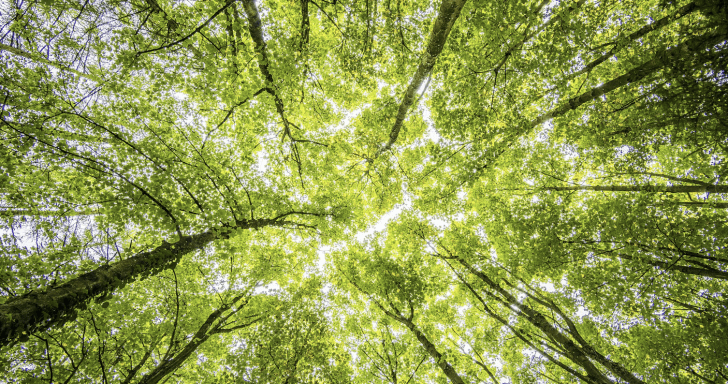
363	191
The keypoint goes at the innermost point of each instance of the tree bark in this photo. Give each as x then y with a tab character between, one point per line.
446	17
211	326
594	376
255	27
706	204
645	188
673	178
661	59
578	354
431	350
34	311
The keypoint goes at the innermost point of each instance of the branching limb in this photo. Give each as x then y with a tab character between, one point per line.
197	30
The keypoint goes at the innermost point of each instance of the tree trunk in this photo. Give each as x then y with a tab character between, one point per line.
407	321
661	59
431	350
706	204
446	17
255	27
211	326
34	311
578	354
707	272
645	188
634	36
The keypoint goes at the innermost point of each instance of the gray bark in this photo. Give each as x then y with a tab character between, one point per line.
578	354
446	17
33	311
645	188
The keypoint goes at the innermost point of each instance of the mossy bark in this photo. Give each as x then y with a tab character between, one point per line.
646	188
39	310
446	17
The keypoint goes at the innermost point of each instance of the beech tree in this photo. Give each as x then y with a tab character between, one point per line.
368	191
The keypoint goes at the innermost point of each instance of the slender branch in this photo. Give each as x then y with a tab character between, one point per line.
43	60
673	178
644	188
684	10
424	341
198	29
230	111
211	326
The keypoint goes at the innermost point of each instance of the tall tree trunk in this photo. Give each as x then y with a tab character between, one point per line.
446	17
663	58
579	354
634	36
645	188
33	311
255	27
593	374
707	272
213	325
431	349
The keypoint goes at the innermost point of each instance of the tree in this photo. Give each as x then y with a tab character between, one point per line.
374	191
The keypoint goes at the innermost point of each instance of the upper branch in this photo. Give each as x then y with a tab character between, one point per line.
198	29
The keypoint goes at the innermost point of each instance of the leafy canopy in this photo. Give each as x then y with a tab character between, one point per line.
390	191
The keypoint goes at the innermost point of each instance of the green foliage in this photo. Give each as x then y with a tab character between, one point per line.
552	209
